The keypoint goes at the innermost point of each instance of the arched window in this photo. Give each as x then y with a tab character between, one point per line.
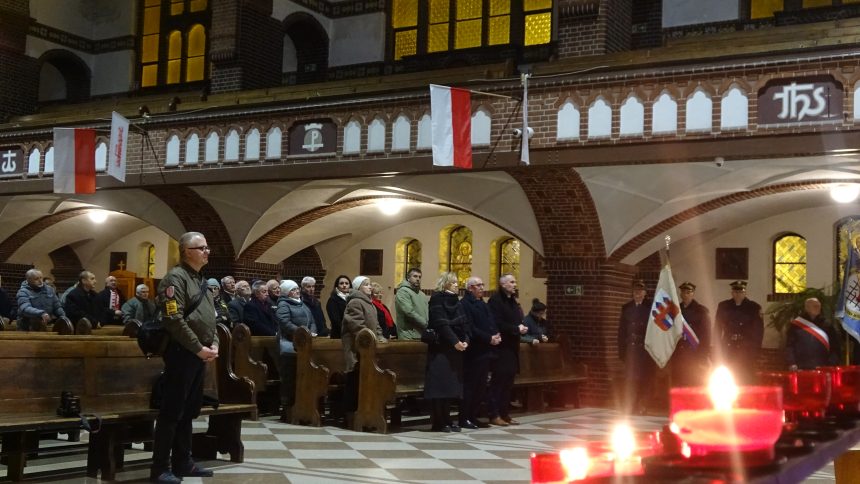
408	255
351	138
376	135
172	156
504	259
567	124
632	117
273	143
231	146
734	110
212	142
33	162
150	262
424	133
481	122
49	160
664	114
400	133
101	156
455	250
192	150
599	119
789	264
444	25
699	111
252	145
181	26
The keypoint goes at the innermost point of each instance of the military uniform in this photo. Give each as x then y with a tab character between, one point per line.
183	369
639	367
741	330
690	365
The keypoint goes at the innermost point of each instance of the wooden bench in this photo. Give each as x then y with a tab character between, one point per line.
256	358
113	381
396	369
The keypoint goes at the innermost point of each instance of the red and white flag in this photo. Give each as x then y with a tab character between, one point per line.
451	126
118	146
74	160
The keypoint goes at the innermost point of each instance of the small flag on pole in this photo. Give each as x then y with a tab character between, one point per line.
451	126
118	145
74	160
848	305
666	325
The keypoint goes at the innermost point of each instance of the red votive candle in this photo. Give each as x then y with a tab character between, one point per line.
845	388
805	393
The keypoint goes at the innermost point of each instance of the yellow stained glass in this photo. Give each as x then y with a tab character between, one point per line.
408	255
817	3
440	10
789	265
151	3
500	7
437	38
404	13
530	5
149	75
174	46
174	70
196	41
150	266
177	7
151	20
468	34
538	28
468	9
510	258
195	67
461	254
500	30
405	43
197	5
765	8
149	49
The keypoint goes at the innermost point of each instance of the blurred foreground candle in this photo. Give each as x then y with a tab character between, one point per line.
845	389
725	418
805	393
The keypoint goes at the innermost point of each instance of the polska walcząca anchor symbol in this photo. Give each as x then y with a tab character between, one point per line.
9	164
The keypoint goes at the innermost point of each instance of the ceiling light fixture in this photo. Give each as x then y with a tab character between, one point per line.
389	206
844	192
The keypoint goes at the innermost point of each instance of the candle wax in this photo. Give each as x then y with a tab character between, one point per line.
726	430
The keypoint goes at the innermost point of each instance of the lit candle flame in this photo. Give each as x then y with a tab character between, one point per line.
575	463
722	389
623	442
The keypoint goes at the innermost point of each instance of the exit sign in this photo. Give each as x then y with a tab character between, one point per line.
573	290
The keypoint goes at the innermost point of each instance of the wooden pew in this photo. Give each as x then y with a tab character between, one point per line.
549	366
386	372
114	381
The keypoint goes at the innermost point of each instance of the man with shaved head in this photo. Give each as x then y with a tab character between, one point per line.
811	340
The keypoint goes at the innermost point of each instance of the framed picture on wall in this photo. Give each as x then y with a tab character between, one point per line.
118	261
732	263
370	262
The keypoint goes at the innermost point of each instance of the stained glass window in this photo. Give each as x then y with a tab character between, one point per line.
538	22
173	41
789	264
509	257
767	8
844	228
460	253
404	21
150	262
408	253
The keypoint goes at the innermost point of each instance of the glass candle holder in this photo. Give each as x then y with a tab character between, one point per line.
594	460
805	393
845	389
751	424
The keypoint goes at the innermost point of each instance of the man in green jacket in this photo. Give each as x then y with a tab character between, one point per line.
410	306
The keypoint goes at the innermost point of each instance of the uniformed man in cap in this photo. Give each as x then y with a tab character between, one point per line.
741	328
638	365
690	364
188	314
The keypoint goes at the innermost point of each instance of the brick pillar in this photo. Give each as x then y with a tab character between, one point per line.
67	267
306	262
220	267
594	27
19	82
245	45
616	16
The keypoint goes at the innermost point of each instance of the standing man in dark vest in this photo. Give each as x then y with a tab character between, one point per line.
188	315
508	316
741	328
690	364
639	368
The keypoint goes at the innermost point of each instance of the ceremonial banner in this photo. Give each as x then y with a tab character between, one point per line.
118	146
451	126
666	325
848	305
74	160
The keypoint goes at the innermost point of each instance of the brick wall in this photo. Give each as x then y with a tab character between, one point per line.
67	267
618	22
305	262
19	81
12	275
647	20
579	35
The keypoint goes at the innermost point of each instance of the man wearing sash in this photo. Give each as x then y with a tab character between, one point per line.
812	341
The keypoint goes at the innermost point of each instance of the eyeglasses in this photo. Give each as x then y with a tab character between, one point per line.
204	248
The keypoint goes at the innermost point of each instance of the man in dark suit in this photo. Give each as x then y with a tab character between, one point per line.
82	303
480	354
639	367
741	329
508	316
111	301
259	315
689	364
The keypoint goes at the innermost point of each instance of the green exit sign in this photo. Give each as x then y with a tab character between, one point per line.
573	290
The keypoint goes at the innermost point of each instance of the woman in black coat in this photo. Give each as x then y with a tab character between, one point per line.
336	305
443	379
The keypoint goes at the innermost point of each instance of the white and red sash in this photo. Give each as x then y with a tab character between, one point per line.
813	330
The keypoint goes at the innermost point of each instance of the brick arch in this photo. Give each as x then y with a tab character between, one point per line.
197	215
67	267
661	227
34	228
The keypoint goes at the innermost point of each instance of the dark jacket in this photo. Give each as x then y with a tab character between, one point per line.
142	310
537	328
335	308
103	301
741	328
33	302
179	288
260	318
444	374
806	351
316	309
236	310
508	316
291	315
81	303
5	305
360	313
481	327
631	328
699	318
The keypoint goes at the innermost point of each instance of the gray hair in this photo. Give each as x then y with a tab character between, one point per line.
84	275
308	281
506	277
139	289
257	286
225	279
472	281
445	279
32	274
185	240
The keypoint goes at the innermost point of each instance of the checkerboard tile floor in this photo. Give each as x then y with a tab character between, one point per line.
280	453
